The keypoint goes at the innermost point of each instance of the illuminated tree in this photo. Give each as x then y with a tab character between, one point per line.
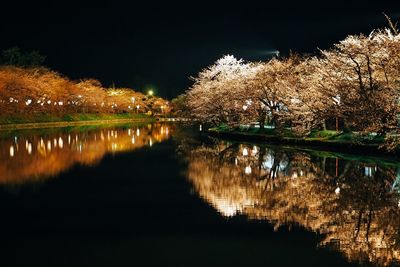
126	100
356	82
89	96
158	106
281	89
28	91
362	73
32	90
218	91
179	106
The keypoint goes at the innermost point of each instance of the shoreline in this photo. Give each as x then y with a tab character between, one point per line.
334	146
60	124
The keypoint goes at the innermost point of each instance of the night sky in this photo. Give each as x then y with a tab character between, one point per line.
160	45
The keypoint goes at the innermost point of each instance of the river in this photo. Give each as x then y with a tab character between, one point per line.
165	194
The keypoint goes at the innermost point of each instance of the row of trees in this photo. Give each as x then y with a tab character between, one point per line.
352	86
30	90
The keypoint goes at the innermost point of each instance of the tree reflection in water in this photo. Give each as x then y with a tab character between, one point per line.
35	157
353	204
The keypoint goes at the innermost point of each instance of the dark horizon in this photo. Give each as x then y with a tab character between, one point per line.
159	46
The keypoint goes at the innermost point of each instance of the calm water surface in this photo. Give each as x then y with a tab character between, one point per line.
167	195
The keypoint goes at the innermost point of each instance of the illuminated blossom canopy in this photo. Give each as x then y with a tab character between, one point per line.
356	82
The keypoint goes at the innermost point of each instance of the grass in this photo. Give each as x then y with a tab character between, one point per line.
38	118
67	129
323	134
316	137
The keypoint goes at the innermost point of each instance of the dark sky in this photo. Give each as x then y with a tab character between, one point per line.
159	45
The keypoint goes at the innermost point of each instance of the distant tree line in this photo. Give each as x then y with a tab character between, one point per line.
15	57
26	88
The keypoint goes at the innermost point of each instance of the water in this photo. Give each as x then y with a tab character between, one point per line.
165	195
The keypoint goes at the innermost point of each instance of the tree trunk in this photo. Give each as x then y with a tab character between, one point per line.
337	123
323	125
346	127
261	120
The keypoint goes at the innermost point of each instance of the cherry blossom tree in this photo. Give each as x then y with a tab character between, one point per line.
362	74
218	91
356	83
29	91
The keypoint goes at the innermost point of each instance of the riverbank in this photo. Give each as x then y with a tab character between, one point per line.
50	121
329	140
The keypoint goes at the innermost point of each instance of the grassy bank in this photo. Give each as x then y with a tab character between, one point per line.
39	118
338	141
84	127
53	121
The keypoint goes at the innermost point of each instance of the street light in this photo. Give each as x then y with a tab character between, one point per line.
150	92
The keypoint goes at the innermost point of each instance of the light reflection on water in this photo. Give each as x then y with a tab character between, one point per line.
353	203
34	157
